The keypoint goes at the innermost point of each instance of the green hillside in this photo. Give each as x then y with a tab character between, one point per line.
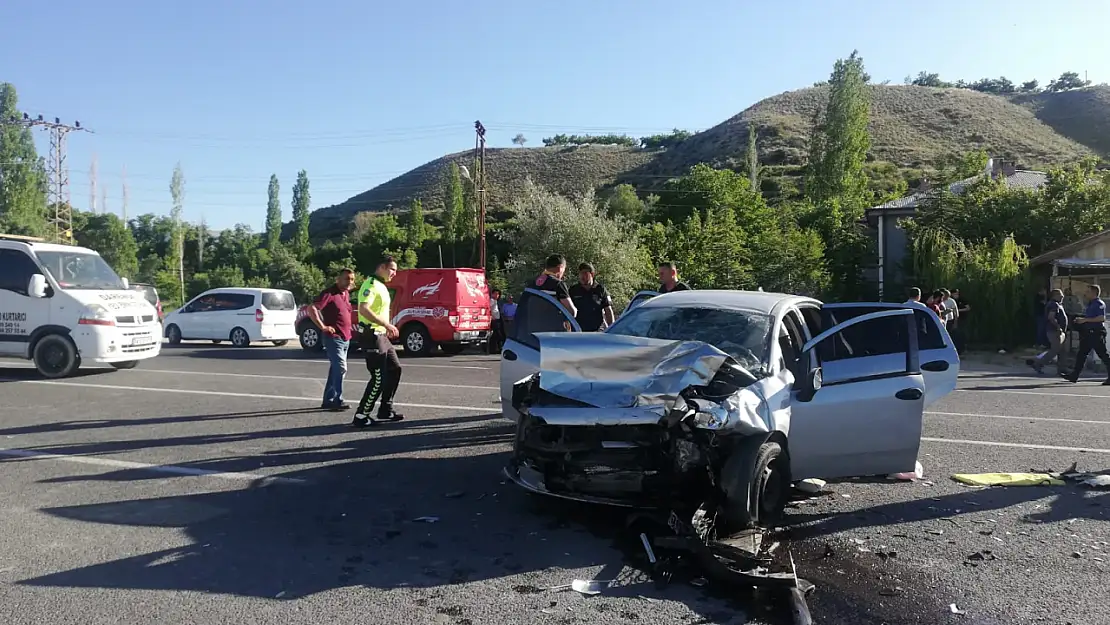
911	127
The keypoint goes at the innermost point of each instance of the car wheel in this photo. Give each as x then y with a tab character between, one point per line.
756	484
310	338
280	343
453	349
216	341
127	364
55	356
239	337
173	333
416	340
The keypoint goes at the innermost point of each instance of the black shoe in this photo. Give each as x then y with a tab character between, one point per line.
390	415
1106	382
362	421
1070	378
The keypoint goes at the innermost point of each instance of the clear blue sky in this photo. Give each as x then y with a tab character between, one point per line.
359	92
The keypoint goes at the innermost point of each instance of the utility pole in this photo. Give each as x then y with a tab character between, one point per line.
480	188
57	170
92	186
126	194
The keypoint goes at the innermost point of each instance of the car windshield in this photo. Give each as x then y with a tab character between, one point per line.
79	270
278	300
739	333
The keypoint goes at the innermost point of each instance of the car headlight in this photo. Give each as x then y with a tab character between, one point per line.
96	315
710	418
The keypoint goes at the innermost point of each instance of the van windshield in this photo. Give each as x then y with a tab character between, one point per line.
79	270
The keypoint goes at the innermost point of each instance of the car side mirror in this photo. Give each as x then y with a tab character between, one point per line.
809	385
36	287
126	284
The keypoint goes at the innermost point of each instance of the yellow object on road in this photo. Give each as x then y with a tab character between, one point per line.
1008	479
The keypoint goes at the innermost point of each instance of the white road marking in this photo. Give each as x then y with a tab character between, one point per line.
282	377
1008	391
1002	416
119	387
961	441
403	364
157	468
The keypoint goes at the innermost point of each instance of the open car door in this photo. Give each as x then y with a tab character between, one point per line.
940	364
864	420
536	311
637	299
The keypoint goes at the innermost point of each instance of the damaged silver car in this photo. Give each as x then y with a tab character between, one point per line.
717	401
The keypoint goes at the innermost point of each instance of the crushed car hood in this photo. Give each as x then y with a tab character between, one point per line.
628	380
615	371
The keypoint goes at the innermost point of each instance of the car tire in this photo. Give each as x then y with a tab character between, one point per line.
453	349
416	340
280	343
310	338
127	364
239	337
55	356
216	341
173	333
756	484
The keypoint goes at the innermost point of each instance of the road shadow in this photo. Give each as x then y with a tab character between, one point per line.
443	518
23	374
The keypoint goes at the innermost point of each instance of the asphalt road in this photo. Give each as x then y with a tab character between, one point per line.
205	487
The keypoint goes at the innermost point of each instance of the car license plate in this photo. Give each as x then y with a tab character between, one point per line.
141	340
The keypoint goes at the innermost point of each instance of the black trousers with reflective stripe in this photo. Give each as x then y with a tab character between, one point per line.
385	374
1091	341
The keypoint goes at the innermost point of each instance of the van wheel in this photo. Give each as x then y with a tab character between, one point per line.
756	484
239	337
127	364
173	333
216	342
55	356
453	349
417	341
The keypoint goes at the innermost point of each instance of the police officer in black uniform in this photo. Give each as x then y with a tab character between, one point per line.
591	298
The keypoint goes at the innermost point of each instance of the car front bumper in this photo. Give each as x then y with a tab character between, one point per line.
109	344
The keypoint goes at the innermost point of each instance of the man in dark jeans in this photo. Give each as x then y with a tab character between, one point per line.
331	312
591	298
381	357
1092	334
1056	330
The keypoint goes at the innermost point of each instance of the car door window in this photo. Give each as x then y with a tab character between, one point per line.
791	340
230	302
874	347
536	313
18	269
888	332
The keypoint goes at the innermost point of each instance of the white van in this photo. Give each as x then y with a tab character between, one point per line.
236	315
62	305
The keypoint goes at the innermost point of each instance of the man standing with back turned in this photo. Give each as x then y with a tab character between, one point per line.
331	312
1092	334
381	357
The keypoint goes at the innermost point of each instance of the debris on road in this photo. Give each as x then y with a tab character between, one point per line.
955	609
587	587
426	519
455	494
811	486
1008	479
909	476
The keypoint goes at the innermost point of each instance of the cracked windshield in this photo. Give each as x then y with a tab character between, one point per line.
332	312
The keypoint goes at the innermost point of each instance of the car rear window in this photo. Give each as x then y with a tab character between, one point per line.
278	300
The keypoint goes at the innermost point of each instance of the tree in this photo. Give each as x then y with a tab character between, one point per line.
667	140
107	234
624	202
1031	86
927	79
177	193
415	229
520	140
273	214
548	223
22	175
1066	81
301	201
561	139
454	212
836	182
752	163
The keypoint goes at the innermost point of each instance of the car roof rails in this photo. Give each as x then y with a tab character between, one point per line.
21	238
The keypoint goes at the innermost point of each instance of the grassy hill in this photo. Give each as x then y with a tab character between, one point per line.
562	169
911	127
